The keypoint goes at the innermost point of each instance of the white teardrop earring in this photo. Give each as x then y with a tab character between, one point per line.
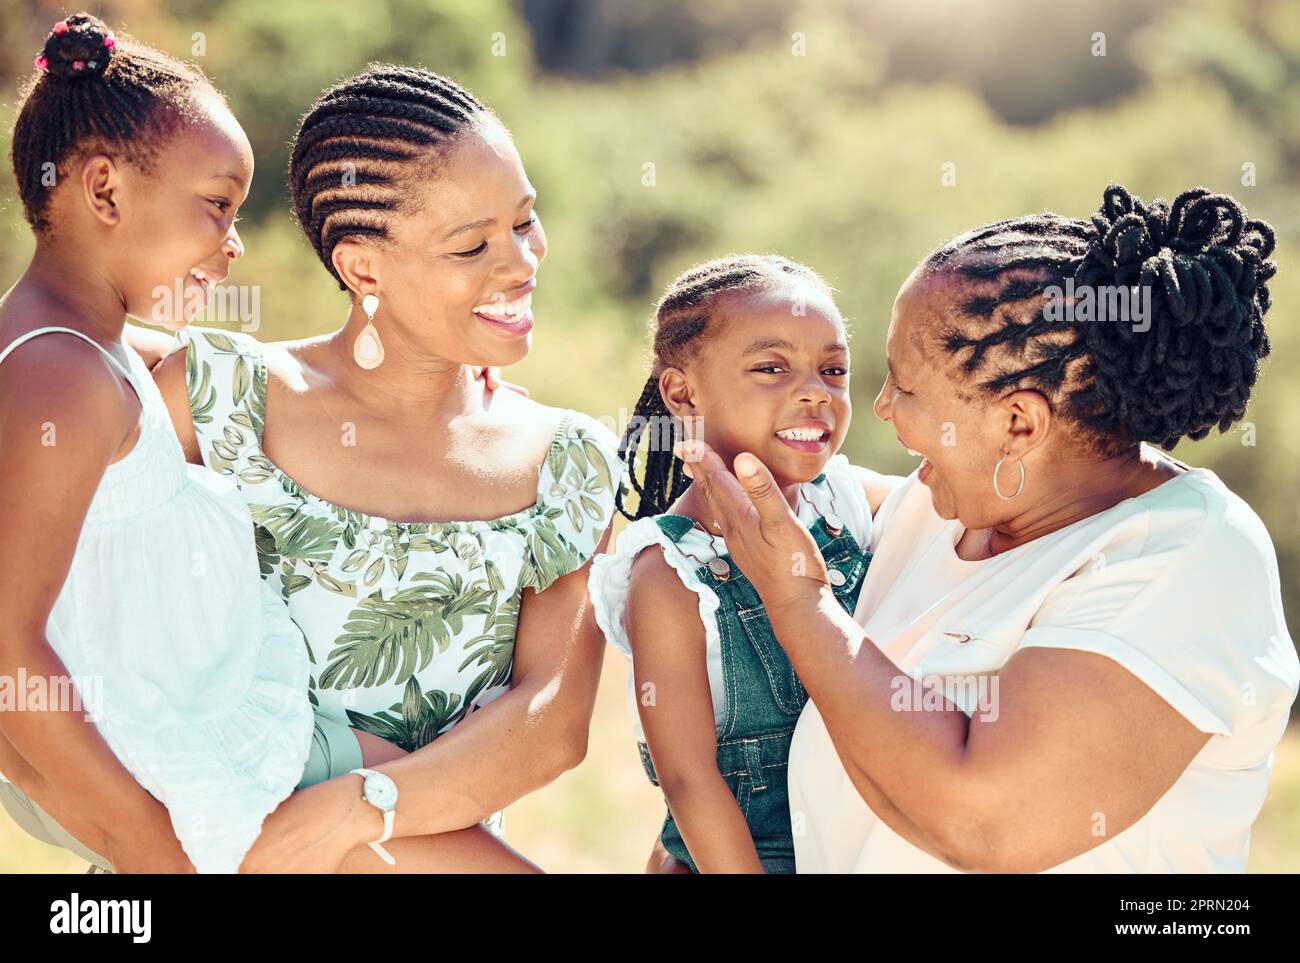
368	350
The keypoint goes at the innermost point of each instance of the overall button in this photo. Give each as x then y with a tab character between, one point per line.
836	577
719	567
834	524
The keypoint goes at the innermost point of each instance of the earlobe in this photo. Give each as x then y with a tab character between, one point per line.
676	392
1031	414
355	266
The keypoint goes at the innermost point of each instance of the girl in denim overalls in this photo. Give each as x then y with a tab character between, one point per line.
750	354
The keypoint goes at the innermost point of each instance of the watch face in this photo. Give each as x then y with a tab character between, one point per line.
380	790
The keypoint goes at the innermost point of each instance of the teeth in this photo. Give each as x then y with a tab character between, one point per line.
199	276
915	454
506	310
800	434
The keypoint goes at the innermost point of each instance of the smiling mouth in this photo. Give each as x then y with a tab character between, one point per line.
507	312
805	439
203	283
911	451
201	279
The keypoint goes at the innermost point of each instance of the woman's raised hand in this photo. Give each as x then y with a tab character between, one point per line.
764	537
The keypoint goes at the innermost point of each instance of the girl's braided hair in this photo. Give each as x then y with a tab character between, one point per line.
686	314
94	91
1189	366
358	140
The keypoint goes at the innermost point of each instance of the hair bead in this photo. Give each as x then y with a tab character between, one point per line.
91	87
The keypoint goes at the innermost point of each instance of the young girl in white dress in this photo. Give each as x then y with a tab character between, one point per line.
125	568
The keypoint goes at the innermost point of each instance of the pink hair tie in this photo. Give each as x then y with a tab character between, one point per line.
110	41
78	66
42	62
61	28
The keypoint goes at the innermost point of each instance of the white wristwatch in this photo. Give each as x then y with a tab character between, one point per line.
381	792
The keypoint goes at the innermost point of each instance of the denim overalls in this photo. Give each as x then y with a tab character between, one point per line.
763	695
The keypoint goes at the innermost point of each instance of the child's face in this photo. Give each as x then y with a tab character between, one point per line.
456	275
778	362
177	220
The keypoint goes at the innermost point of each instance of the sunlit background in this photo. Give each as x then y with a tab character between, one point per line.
818	130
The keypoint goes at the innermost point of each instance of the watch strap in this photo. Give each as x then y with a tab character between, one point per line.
389	818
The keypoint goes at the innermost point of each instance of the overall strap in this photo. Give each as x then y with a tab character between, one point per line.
674	526
8	349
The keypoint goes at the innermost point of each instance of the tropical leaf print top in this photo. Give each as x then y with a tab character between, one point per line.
410	626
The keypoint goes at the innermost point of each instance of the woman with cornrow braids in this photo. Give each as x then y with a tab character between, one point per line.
429	532
1070	653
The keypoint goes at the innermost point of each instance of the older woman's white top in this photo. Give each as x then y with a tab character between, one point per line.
1179	585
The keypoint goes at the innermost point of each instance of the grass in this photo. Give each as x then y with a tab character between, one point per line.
602	817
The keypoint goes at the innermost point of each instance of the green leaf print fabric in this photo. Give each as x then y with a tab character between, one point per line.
409	626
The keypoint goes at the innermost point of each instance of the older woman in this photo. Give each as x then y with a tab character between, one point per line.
1070	651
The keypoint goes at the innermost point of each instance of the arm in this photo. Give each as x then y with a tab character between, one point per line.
169	376
149	343
1020	789
527	737
668	644
519	742
45	491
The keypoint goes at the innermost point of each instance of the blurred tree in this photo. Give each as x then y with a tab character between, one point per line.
1251	48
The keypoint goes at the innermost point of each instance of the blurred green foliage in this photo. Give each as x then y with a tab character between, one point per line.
831	155
825	154
821	154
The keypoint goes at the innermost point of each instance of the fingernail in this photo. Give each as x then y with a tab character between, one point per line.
746	464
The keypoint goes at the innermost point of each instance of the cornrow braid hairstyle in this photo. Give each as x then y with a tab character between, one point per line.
352	147
1187	367
94	90
686	314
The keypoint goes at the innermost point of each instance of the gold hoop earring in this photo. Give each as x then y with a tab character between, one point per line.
368	350
998	468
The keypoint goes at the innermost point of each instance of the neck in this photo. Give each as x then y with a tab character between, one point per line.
75	288
1086	487
410	386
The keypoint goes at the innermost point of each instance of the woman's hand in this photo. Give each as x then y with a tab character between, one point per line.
314	829
492	377
764	537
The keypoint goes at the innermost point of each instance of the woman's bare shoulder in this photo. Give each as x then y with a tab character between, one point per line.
521	420
288	362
